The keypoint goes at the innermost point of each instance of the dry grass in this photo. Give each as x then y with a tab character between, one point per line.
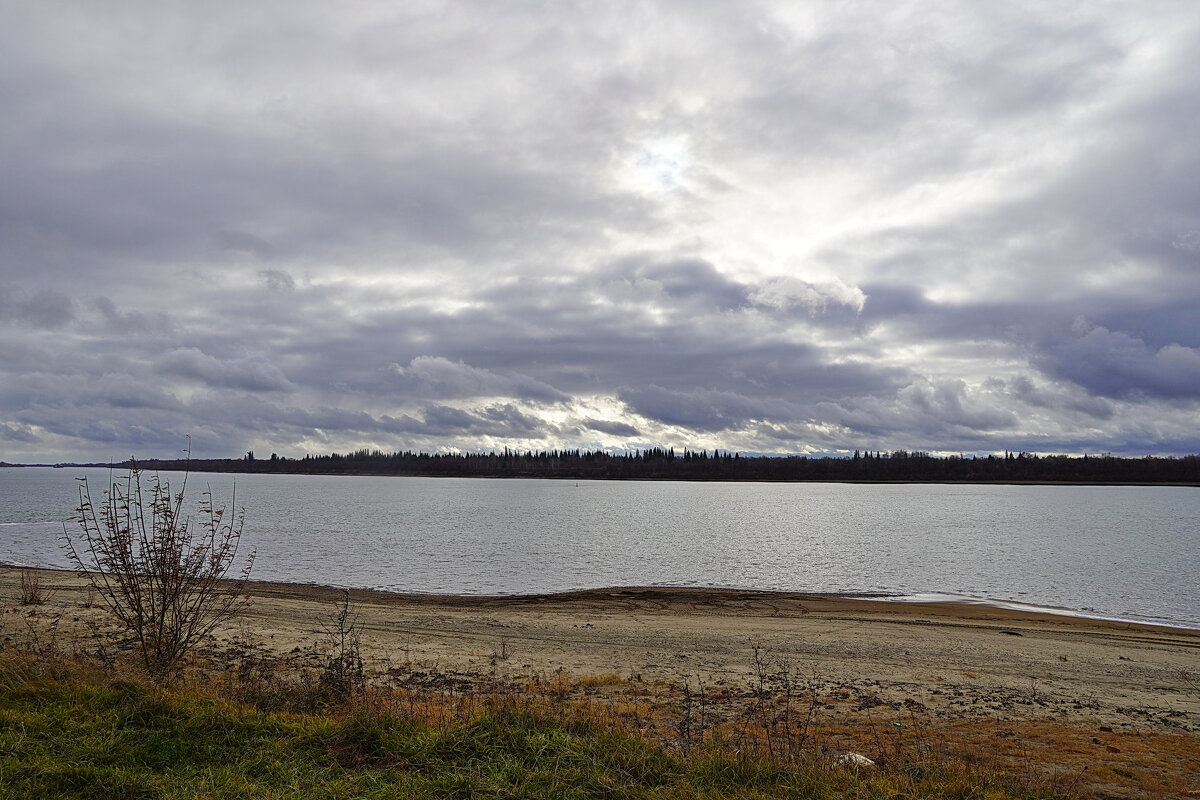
32	591
1039	758
598	681
944	759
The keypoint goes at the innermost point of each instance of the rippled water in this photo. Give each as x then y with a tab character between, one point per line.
1110	551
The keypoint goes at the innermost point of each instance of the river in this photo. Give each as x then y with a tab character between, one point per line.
1113	551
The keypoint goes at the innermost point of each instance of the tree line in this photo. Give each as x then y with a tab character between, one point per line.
658	463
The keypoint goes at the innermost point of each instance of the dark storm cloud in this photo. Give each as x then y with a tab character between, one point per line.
773	227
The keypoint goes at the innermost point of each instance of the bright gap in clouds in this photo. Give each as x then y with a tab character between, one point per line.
660	164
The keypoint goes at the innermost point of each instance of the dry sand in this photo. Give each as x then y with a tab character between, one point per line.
944	661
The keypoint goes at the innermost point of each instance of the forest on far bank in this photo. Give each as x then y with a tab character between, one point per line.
667	464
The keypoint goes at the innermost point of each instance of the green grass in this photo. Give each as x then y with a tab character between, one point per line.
66	732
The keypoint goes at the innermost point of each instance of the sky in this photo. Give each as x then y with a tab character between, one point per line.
765	227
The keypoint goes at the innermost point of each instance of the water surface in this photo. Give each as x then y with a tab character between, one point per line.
1128	552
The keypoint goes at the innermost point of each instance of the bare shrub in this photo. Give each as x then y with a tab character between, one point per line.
778	723
163	575
32	591
343	674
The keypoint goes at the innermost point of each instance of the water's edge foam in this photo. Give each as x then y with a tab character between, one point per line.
958	599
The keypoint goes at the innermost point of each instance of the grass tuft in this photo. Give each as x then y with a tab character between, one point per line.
32	591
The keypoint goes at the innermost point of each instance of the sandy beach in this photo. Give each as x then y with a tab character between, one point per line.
997	674
1116	703
953	659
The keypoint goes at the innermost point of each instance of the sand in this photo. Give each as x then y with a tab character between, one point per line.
949	661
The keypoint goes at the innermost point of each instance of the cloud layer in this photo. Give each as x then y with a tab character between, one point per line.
765	227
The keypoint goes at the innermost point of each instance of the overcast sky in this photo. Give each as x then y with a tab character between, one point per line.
792	227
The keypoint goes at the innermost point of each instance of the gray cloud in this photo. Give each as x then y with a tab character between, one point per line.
1115	364
131	322
17	433
253	373
439	377
242	242
703	409
780	227
686	282
1025	390
612	427
277	280
42	308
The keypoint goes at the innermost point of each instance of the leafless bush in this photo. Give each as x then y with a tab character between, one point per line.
343	673
779	719
161	574
32	591
693	721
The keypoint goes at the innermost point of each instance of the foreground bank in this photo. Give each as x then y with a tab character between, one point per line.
1121	700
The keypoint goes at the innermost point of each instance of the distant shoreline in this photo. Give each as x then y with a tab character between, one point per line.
888	469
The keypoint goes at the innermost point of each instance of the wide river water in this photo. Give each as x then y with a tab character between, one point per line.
1116	551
